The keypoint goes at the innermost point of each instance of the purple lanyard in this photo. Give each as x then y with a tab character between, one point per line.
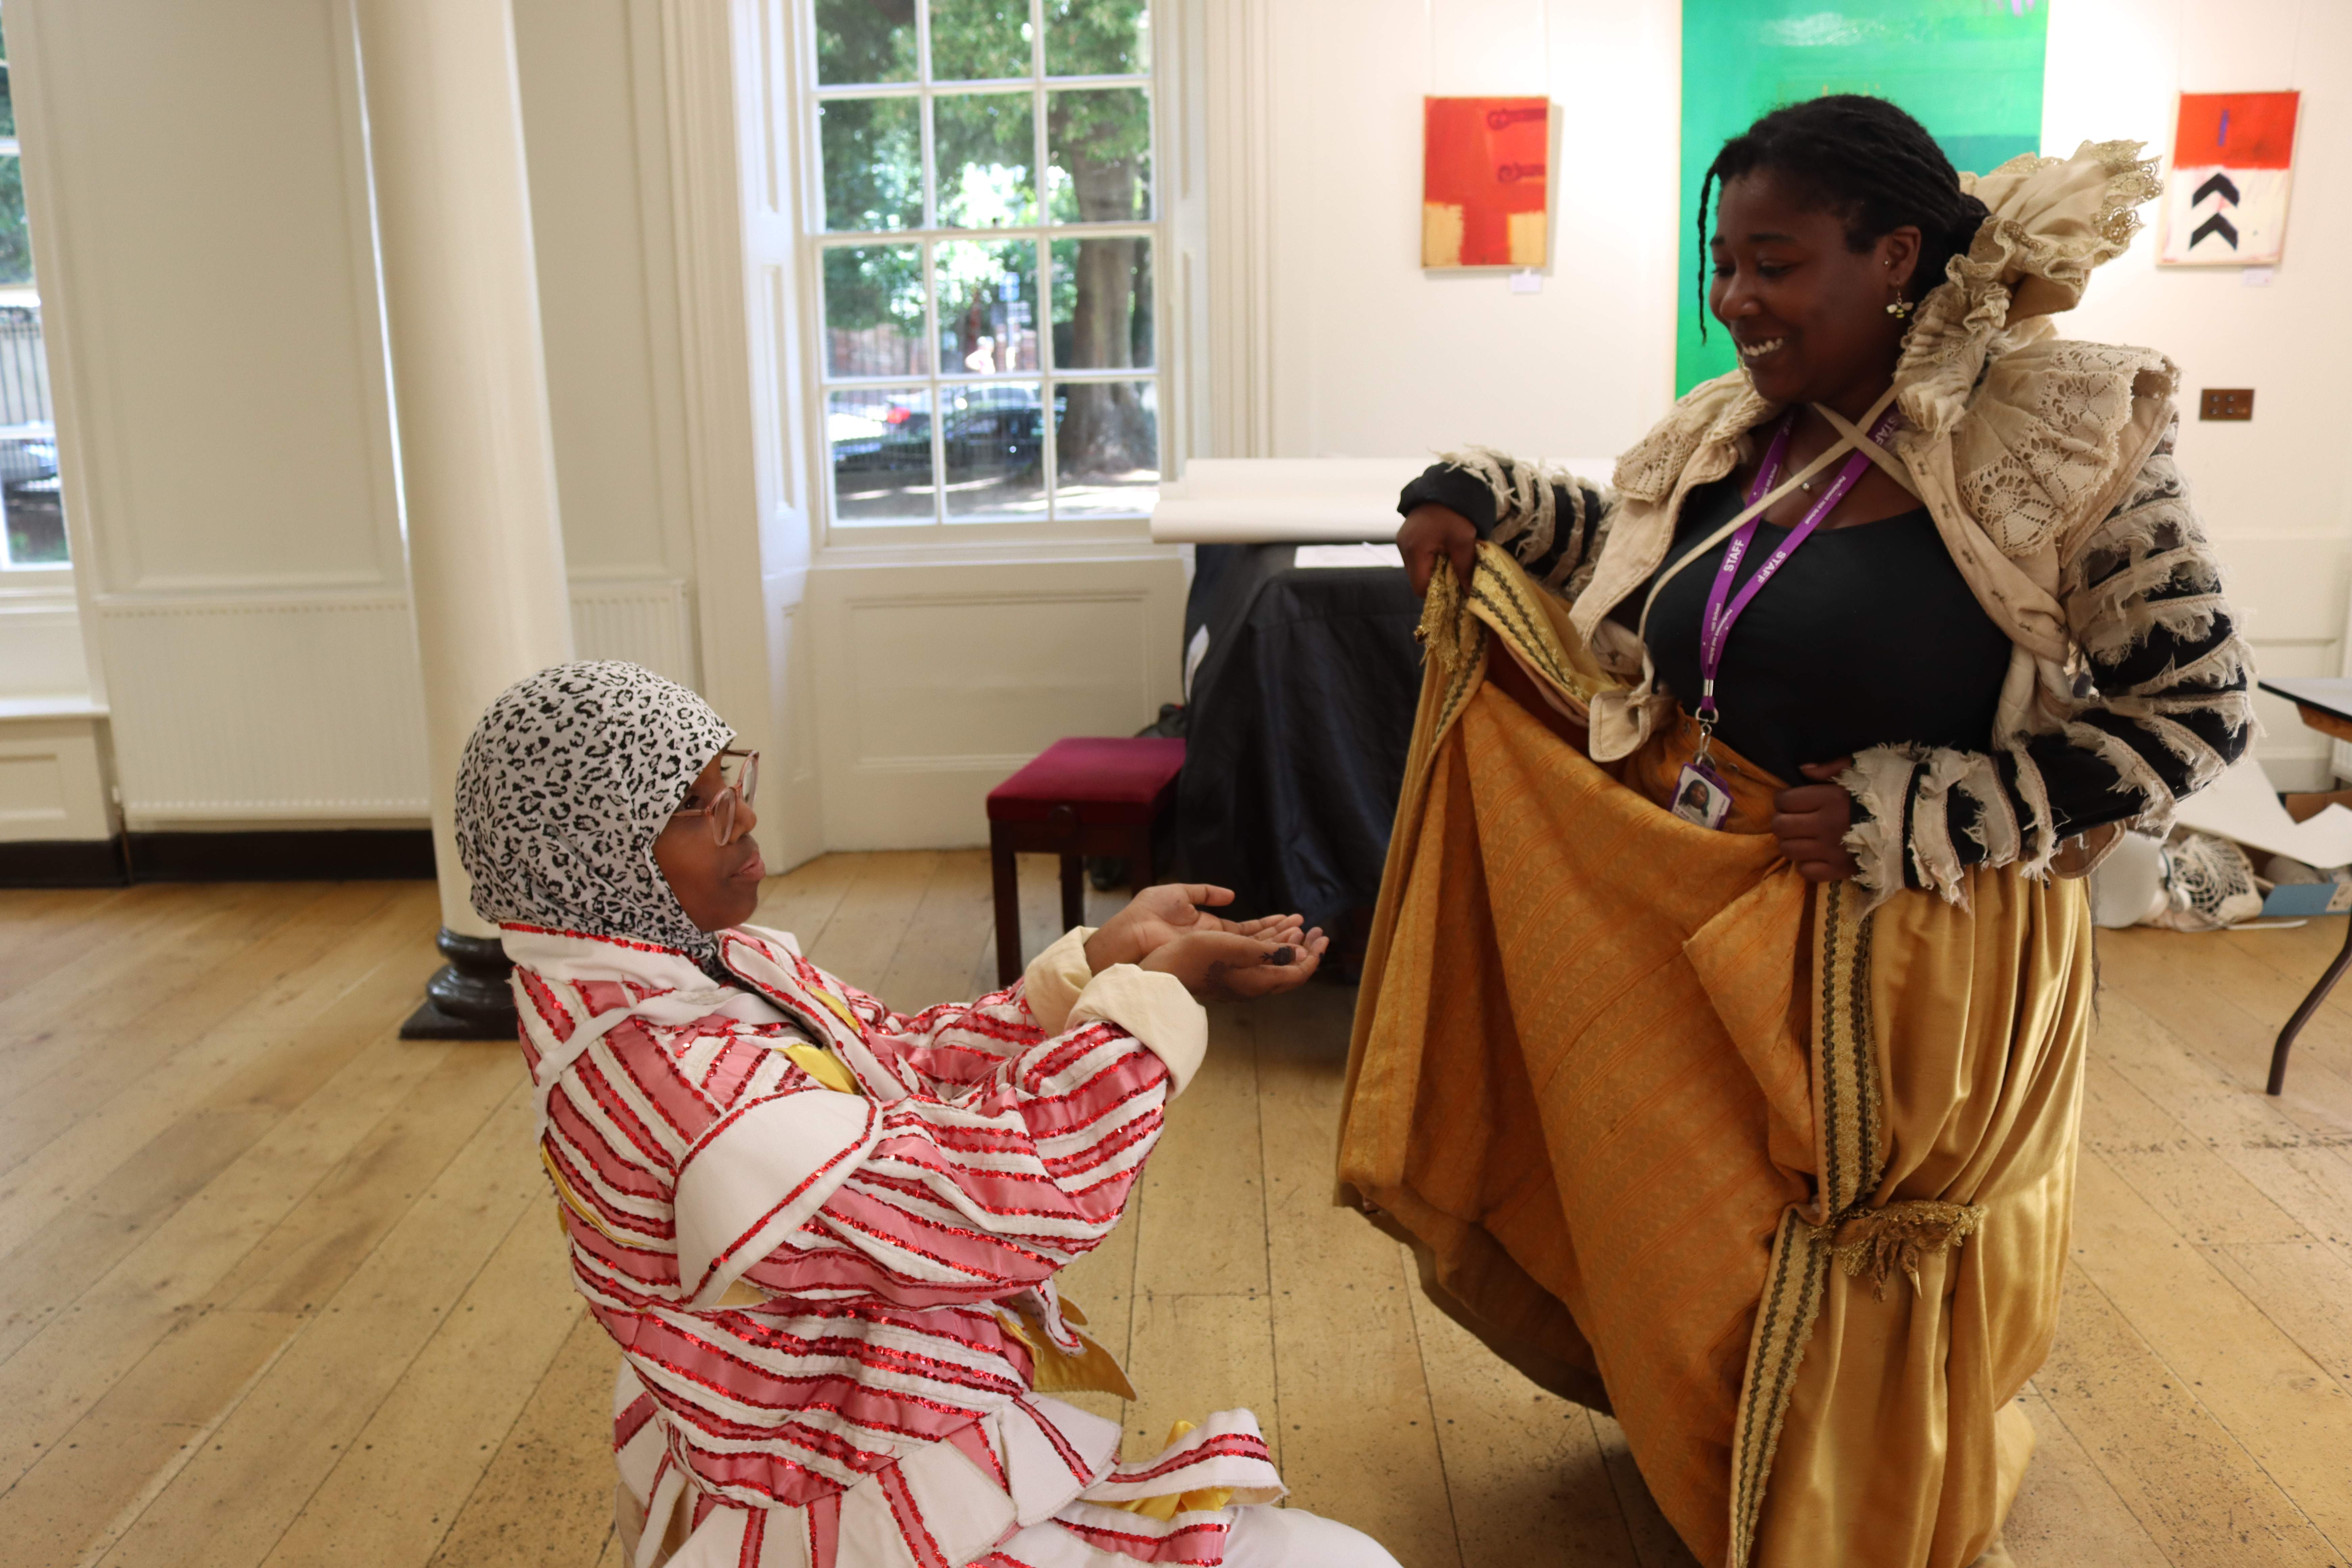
1715	626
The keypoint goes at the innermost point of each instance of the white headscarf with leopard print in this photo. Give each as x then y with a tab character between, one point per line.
566	783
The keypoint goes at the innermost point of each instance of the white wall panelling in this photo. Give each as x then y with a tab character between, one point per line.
935	681
1238	136
2289	590
340	738
203	242
647	623
255	709
595	125
40	642
218	367
212	273
53	778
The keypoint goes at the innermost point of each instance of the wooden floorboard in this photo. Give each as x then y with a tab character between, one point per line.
278	1288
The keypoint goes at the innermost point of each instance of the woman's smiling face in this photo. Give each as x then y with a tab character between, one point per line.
1807	312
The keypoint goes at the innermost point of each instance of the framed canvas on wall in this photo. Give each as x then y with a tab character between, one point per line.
2225	203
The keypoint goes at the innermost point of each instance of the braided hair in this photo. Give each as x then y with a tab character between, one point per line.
1862	159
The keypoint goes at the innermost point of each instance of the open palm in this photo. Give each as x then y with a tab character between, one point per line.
1158	916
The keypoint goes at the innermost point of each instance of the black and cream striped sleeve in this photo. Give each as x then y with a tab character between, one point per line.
1553	521
2166	703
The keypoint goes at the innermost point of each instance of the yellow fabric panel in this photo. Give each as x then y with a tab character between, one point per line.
1167	1505
1052	1371
1903	1442
823	1066
840	1008
572	1201
1586	1083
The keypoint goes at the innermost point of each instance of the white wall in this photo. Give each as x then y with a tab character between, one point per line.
2274	492
596	136
1372	357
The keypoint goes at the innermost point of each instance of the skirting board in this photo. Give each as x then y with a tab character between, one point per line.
334	855
63	863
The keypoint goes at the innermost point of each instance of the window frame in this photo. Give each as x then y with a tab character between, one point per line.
940	382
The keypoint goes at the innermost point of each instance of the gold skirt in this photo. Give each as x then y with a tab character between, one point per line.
1783	1185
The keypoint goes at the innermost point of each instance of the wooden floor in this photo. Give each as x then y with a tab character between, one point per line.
280	1289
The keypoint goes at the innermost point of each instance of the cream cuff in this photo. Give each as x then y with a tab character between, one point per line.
1055	978
1153	1007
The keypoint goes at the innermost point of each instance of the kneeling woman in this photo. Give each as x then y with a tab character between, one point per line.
1722	1042
825	1234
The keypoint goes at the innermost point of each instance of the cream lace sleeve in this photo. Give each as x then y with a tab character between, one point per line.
2164	703
1553	521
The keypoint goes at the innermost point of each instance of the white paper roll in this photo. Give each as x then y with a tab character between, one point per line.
1298	501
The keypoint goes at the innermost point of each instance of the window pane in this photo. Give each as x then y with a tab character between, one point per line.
988	306
872	149
995	438
1098	145
1102	303
974	40
36	533
28	492
986	144
881	444
865	40
1097	37
1106	445
874	311
15	245
7	96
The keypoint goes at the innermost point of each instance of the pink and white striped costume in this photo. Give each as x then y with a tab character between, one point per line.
810	1271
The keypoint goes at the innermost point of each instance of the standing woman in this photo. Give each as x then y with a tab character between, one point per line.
1721	1046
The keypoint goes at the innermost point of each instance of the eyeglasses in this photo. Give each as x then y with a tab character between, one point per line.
738	791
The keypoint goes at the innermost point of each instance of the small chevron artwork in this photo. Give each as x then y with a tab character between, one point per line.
2225	201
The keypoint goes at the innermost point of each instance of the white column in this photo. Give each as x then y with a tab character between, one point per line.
470	378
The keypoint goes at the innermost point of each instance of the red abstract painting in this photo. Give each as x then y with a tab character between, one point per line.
2225	200
1485	185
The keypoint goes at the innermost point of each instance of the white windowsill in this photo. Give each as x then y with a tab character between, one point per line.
36	583
68	705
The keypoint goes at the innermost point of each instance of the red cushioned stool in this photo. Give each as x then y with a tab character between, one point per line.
1078	798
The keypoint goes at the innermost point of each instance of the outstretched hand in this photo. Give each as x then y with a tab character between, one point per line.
1158	916
1810	822
1220	966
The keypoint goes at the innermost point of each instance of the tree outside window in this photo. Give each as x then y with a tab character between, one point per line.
988	231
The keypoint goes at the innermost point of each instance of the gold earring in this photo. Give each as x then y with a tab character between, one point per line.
1899	308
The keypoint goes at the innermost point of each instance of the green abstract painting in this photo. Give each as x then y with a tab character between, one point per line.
1969	69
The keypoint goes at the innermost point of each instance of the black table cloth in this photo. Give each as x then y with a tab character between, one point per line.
1296	729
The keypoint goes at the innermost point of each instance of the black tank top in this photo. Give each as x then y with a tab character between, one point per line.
1867	635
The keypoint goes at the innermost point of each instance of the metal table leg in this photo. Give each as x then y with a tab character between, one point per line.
2310	1006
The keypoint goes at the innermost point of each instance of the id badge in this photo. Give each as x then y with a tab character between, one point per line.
1702	795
